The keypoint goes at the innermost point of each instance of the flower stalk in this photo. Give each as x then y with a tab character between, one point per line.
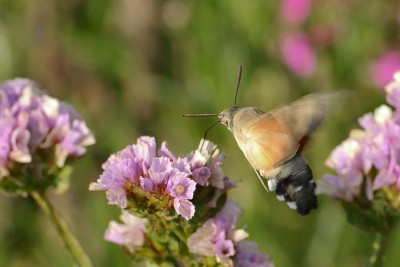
70	241
379	247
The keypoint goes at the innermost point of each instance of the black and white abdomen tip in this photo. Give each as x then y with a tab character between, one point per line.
298	190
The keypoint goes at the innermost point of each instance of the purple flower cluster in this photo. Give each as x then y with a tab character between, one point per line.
218	238
32	121
369	159
139	170
153	186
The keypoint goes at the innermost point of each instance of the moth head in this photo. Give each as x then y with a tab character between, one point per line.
225	117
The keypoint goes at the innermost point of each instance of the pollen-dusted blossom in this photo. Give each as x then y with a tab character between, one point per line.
130	234
369	160
37	129
139	171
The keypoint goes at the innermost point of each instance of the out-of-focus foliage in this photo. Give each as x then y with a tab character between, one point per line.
132	67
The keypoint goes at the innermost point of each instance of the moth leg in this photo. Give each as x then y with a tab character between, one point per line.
262	180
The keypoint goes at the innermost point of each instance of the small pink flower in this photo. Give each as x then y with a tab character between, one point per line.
180	186
184	207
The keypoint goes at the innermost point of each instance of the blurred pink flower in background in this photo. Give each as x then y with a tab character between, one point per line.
383	69
298	54
323	35
295	11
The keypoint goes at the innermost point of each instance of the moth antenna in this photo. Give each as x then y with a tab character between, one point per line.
198	115
206	132
238	84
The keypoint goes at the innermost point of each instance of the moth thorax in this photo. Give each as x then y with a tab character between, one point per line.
242	116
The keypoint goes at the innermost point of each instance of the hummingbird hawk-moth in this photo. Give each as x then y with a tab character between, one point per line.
273	142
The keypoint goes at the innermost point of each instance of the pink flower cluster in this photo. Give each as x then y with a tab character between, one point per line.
370	158
218	238
161	174
32	122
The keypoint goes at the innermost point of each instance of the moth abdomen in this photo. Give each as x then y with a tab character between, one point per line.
298	190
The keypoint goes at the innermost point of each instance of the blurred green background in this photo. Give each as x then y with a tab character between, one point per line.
132	67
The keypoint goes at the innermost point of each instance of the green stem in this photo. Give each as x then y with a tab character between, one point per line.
377	258
70	241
